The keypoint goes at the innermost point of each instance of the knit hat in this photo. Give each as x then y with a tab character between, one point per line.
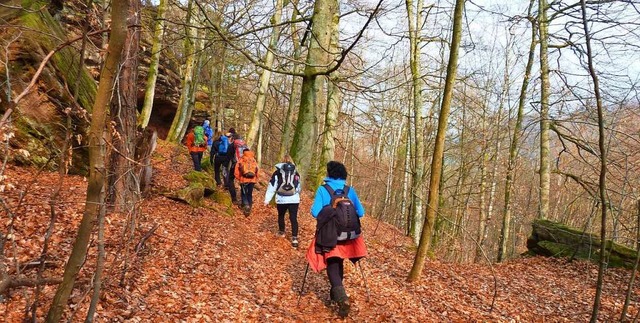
232	130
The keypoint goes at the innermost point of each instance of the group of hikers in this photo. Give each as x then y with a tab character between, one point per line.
336	206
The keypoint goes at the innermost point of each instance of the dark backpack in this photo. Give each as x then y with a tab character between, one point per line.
347	219
288	180
223	146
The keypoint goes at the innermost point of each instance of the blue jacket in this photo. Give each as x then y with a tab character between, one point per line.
323	198
208	132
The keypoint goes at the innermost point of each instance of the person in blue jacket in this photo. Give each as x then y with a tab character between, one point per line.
354	250
209	133
337	179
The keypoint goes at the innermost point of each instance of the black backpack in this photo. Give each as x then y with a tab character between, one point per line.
288	180
347	219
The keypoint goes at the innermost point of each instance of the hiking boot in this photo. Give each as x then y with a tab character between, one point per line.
339	295
280	234
294	242
247	210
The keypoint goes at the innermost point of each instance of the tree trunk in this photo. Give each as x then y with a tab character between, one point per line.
123	190
334	105
306	134
265	77
438	154
417	183
152	75
182	114
513	146
216	86
545	172
95	189
295	88
602	181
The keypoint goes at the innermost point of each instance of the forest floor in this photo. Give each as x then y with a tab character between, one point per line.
202	265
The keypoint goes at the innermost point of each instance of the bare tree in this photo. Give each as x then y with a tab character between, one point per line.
95	189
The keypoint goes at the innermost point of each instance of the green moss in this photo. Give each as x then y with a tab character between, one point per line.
203	178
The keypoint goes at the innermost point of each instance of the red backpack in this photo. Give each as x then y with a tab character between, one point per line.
240	146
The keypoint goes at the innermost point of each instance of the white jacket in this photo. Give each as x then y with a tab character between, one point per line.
274	183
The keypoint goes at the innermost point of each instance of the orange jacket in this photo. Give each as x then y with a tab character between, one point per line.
191	137
247	155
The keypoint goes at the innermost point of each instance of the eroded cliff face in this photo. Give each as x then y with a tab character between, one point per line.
37	126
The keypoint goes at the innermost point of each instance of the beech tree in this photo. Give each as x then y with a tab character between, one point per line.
97	139
438	153
152	74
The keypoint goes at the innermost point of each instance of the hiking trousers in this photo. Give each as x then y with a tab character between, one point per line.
335	271
230	182
197	158
293	217
218	163
246	193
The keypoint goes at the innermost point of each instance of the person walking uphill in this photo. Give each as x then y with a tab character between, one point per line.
209	133
219	159
285	185
338	210
197	144
246	172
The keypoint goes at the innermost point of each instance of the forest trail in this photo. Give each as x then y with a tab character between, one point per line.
202	265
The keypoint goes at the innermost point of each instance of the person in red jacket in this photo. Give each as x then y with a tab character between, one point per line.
246	171
197	144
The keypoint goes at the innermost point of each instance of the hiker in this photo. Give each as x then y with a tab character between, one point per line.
285	185
219	159
236	147
197	143
336	239
246	171
209	133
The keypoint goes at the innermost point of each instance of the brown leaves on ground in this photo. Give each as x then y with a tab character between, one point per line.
201	265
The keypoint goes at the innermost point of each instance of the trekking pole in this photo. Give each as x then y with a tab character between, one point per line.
304	279
365	281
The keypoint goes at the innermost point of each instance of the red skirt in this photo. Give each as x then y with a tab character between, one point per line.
348	250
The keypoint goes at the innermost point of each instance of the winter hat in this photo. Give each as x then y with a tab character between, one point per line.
232	130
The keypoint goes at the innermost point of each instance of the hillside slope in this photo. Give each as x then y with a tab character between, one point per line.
201	265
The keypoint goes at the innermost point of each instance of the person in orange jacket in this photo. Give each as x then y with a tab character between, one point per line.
197	144
246	171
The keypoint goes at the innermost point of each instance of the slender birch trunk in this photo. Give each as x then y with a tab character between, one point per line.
438	154
295	87
415	21
152	75
602	181
513	146
95	188
265	77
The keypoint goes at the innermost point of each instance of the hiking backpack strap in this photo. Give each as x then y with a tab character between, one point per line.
333	195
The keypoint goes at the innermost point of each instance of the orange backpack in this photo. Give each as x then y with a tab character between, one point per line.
248	168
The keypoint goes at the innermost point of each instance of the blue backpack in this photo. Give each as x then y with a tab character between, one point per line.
223	146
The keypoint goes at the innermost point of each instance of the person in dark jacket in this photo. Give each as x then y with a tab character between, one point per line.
231	155
353	250
219	158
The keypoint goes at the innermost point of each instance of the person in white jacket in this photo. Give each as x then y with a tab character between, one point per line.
285	185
